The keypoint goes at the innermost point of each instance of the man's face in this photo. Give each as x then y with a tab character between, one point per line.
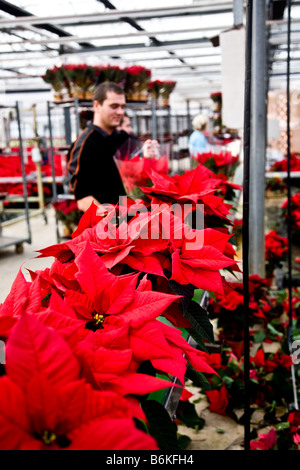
109	113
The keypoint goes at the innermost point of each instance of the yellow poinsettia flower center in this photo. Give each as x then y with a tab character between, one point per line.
48	437
99	319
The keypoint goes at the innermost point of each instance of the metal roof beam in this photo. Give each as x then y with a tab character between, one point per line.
21	13
223	6
134	48
131	35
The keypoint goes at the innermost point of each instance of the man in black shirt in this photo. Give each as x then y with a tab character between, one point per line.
92	170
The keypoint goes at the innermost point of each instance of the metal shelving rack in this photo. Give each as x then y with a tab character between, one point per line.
6	241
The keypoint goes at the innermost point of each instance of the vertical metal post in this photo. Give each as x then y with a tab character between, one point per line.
238	12
289	220
23	172
68	127
258	141
169	127
188	114
54	191
76	103
246	190
154	119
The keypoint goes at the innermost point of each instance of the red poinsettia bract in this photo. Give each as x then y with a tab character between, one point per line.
45	405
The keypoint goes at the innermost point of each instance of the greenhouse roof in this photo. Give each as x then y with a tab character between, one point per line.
176	39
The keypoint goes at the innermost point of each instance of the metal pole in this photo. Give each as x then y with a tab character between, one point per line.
238	12
23	173
68	127
258	140
289	221
245	248
54	191
76	103
154	119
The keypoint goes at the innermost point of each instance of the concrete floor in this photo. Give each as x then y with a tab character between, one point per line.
42	235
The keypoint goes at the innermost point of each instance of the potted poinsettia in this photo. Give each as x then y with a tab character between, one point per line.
114	73
168	87
136	83
223	162
216	96
68	214
91	322
83	78
155	87
56	78
276	251
295	213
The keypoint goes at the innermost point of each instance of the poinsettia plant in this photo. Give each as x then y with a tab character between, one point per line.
223	162
82	76
68	213
55	77
295	210
135	171
137	78
276	185
115	294
155	87
168	87
276	251
197	189
216	96
113	73
282	165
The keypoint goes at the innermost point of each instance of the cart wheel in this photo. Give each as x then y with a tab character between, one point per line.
19	248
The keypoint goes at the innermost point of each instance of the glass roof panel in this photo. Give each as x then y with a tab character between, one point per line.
181	47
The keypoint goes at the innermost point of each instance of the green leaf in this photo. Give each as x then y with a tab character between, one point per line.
198	339
199	320
259	336
161	426
198	379
273	330
220	431
187	291
282	426
198	294
186	412
183	442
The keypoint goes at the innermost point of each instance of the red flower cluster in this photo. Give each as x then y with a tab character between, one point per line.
216	95
195	187
295	211
282	165
10	166
137	70
276	250
91	325
135	172
228	308
284	437
66	207
223	162
85	333
90	322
